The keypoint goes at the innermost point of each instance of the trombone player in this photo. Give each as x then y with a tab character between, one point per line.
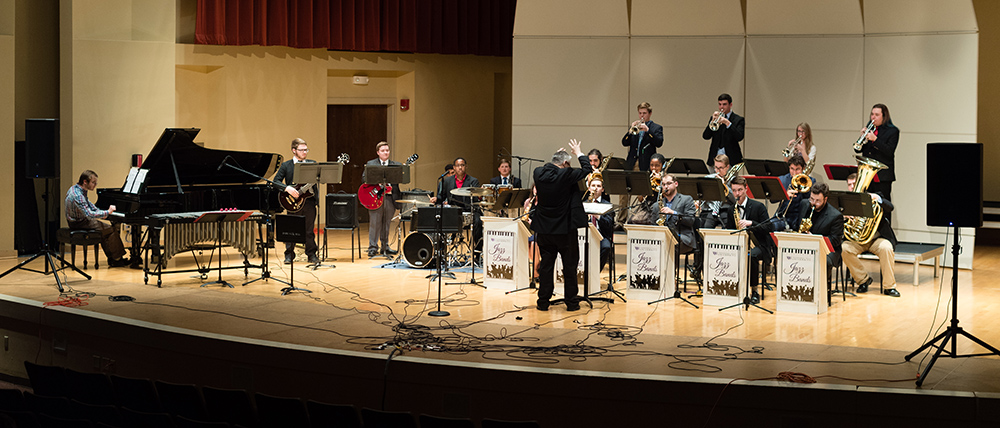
790	210
642	139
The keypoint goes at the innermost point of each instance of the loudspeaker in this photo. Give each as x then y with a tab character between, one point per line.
290	228
341	210
42	148
955	184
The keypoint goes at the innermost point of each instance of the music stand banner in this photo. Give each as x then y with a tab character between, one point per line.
505	254
801	268
725	267
650	262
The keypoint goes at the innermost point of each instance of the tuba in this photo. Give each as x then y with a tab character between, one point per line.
807	222
596	175
862	229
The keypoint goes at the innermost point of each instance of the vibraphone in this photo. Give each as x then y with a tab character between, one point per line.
201	230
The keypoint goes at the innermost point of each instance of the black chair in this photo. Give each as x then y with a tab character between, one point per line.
11	399
280	412
7	421
496	423
181	400
135	418
229	405
383	419
322	415
428	421
49	421
97	413
182	422
53	406
22	418
90	388
47	380
78	237
136	394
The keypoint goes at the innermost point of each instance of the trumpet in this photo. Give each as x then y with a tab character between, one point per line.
864	137
714	124
788	151
634	130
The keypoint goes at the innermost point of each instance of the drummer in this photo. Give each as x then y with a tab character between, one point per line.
505	179
461	180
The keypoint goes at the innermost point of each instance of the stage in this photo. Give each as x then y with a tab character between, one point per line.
363	336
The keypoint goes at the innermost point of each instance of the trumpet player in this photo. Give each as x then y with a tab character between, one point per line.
882	246
725	130
802	144
880	144
642	139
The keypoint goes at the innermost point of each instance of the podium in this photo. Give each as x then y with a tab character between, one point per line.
593	271
505	253
801	268
650	262
725	271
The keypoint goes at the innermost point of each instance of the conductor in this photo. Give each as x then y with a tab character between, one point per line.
557	216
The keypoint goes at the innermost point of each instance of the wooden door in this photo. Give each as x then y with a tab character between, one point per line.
355	130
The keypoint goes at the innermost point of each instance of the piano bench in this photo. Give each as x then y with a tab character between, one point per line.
66	235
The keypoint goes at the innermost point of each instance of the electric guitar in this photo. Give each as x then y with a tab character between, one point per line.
372	195
293	204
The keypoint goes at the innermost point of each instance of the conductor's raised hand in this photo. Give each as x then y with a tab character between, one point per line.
575	147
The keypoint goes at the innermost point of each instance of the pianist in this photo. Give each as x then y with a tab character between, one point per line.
300	150
81	214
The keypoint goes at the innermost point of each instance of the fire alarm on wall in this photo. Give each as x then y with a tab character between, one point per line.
360	80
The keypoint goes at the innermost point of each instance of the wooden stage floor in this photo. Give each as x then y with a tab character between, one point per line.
359	306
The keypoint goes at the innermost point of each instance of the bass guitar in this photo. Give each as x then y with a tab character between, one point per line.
293	204
372	195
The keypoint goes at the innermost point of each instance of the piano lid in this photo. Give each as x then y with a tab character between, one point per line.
177	160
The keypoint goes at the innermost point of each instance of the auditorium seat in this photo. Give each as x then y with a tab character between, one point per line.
428	421
135	418
90	388
11	399
181	400
279	412
322	415
229	405
47	380
136	394
384	419
496	423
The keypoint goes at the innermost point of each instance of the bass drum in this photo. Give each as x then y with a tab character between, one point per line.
418	250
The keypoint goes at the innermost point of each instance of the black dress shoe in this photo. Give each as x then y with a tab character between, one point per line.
754	297
288	259
313	260
372	253
122	262
891	292
543	306
390	252
572	307
863	287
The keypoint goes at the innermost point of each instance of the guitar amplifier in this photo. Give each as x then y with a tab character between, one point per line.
341	210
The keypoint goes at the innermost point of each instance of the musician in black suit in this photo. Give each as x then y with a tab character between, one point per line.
753	216
556	218
725	140
380	219
883	246
789	211
826	220
505	178
643	144
605	222
595	157
680	214
285	174
880	145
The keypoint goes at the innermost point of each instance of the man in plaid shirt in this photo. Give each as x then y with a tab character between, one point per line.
82	214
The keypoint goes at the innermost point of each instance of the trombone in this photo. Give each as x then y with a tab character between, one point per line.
864	137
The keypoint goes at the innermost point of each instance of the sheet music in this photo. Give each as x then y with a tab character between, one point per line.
135	179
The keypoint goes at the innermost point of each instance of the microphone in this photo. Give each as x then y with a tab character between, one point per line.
442	175
219	168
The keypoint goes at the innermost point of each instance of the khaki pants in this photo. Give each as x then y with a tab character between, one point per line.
886	258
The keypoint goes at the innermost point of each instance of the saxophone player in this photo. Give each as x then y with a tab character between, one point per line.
826	221
751	213
882	246
605	223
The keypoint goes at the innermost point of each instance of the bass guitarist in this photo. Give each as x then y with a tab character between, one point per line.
379	219
285	174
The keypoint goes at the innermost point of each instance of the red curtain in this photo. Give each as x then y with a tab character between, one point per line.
479	27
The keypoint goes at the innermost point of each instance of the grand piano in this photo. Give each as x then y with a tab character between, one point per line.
184	177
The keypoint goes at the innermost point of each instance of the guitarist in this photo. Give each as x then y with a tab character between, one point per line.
300	150
380	218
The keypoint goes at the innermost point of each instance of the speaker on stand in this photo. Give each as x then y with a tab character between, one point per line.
342	214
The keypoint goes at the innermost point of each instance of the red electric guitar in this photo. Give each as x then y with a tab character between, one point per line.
372	195
293	204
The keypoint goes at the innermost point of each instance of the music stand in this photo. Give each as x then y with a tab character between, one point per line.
702	188
769	189
677	291
218	217
323	173
596	208
765	167
688	166
438	220
629	183
380	175
290	228
615	163
851	204
512	198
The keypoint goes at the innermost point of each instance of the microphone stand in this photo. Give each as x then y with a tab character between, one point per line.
746	295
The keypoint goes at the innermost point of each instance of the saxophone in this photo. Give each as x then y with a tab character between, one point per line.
659	197
862	229
807	222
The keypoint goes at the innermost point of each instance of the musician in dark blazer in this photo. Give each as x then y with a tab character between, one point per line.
380	219
556	218
789	211
880	145
504	169
725	140
753	217
643	144
826	220
462	180
883	246
285	174
680	212
605	222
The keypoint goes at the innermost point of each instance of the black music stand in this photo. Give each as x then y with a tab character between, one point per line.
440	220
616	163
629	183
702	188
323	173
218	217
840	172
765	167
290	228
769	189
512	198
688	166
381	175
851	204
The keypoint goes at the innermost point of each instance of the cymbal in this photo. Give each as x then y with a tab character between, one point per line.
484	204
410	201
472	191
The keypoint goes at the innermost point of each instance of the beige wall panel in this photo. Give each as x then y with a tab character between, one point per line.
123	98
684	142
815	80
7	17
798	17
928	82
7	131
154	20
103	19
405	134
580	82
917	16
686	17
37	64
571	18
832	147
683	77
201	101
545	140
